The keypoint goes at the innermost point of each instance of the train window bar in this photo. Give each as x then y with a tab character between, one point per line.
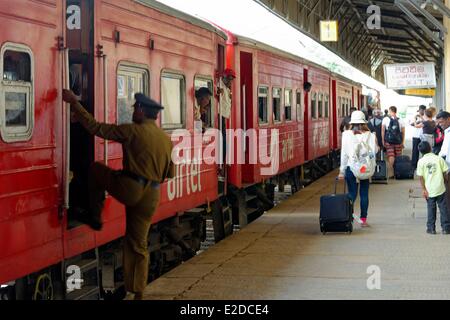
288	104
130	80
263	95
299	104
16	93
314	106
320	105
173	98
276	104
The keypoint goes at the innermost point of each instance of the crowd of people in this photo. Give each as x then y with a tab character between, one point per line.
368	136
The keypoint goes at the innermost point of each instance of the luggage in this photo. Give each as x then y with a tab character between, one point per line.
381	174
403	168
336	212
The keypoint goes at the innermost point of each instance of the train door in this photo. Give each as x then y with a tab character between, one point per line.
334	115
80	77
247	123
306	116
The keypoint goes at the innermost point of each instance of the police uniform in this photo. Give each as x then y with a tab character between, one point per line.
147	151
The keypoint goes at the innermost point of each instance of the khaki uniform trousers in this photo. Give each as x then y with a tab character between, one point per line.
141	203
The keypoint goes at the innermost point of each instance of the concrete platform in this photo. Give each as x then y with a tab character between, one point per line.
283	255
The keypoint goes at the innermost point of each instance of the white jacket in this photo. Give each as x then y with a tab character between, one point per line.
349	139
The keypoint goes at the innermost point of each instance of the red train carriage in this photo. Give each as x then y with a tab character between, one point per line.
105	51
342	100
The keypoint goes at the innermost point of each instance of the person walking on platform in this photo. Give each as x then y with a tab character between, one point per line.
375	127
432	171
393	135
354	140
443	119
147	153
418	125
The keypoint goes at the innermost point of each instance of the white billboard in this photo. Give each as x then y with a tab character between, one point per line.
410	75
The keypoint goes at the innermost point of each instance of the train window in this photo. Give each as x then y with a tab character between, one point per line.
207	117
288	104
299	104
262	104
17	93
276	104
130	80
320	105
314	105
339	107
327	106
173	89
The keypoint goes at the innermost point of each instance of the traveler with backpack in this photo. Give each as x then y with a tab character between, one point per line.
358	161
374	125
393	135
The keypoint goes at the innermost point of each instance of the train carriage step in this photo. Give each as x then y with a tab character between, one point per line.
85	293
250	197
196	210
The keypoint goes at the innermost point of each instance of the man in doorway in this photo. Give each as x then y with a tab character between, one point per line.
147	152
203	105
393	136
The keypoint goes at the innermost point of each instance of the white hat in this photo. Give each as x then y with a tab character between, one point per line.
358	117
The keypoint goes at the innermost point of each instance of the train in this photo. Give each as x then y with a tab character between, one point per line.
106	51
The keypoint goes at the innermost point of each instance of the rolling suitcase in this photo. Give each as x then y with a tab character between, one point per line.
381	171
403	168
336	212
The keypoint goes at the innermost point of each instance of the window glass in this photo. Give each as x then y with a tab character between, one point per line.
262	104
288	104
299	102
327	106
340	107
276	104
130	80
17	93
320	105
173	100
207	116
314	105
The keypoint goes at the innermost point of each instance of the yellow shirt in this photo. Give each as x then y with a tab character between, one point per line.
147	149
432	168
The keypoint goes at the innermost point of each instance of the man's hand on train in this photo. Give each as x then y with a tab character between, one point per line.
69	97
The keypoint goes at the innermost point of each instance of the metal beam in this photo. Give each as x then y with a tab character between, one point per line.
429	16
442	7
339	9
402	6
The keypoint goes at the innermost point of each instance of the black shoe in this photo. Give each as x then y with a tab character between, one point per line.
84	216
431	231
445	231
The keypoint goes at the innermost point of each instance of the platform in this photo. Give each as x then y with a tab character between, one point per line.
283	255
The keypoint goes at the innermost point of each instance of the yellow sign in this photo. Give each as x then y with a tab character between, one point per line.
421	92
329	31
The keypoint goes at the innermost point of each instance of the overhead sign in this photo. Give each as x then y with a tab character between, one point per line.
329	31
410	75
421	92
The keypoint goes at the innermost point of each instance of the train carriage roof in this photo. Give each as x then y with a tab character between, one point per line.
181	15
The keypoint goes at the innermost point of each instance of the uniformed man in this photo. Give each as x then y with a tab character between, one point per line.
147	162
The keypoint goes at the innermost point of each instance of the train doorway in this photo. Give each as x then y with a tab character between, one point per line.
80	46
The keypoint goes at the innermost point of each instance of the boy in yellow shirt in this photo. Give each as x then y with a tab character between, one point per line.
432	170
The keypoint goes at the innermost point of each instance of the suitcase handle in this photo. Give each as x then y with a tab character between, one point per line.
336	183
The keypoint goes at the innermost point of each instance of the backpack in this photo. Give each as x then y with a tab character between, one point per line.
375	127
393	133
362	160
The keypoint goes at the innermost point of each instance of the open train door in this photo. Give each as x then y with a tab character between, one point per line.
78	143
246	86
306	116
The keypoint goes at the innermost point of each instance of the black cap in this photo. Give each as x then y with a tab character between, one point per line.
146	102
422	107
202	92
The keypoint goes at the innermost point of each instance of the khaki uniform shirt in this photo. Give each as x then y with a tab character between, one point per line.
147	149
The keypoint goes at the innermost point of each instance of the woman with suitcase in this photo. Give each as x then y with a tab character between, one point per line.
358	161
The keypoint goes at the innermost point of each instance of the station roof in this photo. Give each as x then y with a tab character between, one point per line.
411	30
